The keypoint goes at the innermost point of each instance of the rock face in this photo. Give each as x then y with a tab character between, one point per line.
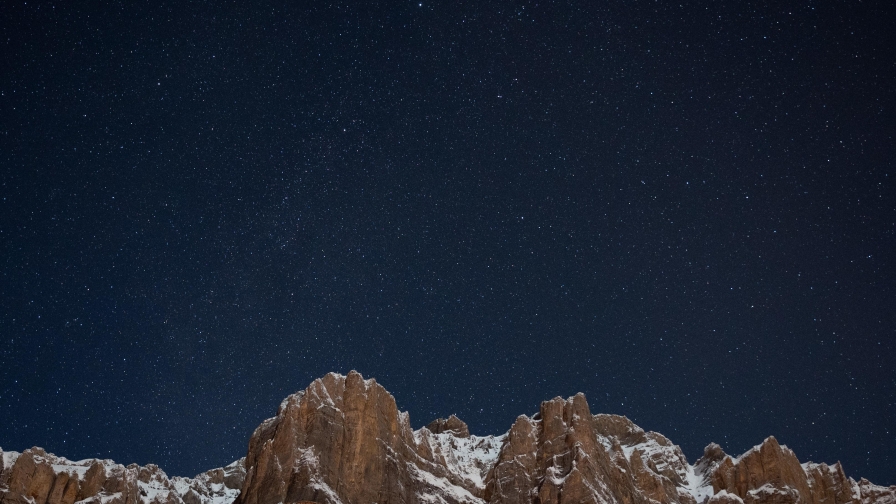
771	474
37	477
344	441
566	454
452	425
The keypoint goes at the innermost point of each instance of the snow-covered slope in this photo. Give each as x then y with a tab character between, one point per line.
471	458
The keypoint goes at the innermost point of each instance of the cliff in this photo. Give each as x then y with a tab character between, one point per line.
343	440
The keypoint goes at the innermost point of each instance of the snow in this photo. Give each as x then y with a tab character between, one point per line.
608	446
107	498
229	496
723	494
664	456
455	493
758	447
553	474
153	491
768	489
697	485
667	457
158	489
80	470
9	458
808	466
181	485
470	458
320	486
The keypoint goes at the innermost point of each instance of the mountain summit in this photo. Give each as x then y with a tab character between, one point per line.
344	441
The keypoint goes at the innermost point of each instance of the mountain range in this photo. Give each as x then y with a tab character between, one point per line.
343	440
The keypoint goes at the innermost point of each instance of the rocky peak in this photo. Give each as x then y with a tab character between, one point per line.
620	428
343	440
705	467
452	424
770	466
559	453
771	473
713	453
869	493
38	477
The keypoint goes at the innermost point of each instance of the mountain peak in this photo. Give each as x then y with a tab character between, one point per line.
343	440
451	424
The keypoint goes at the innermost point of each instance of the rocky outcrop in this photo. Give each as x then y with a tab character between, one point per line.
768	472
869	493
771	474
723	497
452	425
566	454
343	440
38	477
217	486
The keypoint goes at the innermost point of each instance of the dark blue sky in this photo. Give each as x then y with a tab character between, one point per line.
686	212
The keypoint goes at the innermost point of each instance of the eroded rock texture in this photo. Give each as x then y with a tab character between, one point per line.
37	477
344	441
771	474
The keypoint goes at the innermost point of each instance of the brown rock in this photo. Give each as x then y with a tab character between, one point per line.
620	428
723	497
646	478
769	465
452	424
559	456
94	479
64	490
36	477
829	484
7	459
515	474
343	439
870	493
771	474
713	453
320	447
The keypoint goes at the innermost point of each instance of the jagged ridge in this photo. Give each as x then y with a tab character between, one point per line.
344	441
37	477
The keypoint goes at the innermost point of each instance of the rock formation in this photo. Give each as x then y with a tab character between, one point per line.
344	441
771	474
37	477
452	425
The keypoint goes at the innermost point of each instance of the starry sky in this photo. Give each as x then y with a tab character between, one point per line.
685	211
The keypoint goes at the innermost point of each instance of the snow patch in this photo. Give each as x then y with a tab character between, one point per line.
444	487
153	491
697	485
470	458
9	458
665	456
71	469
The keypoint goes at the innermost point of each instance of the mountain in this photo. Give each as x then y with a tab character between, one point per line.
343	440
37	477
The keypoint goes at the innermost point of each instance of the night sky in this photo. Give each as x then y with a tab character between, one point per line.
687	212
